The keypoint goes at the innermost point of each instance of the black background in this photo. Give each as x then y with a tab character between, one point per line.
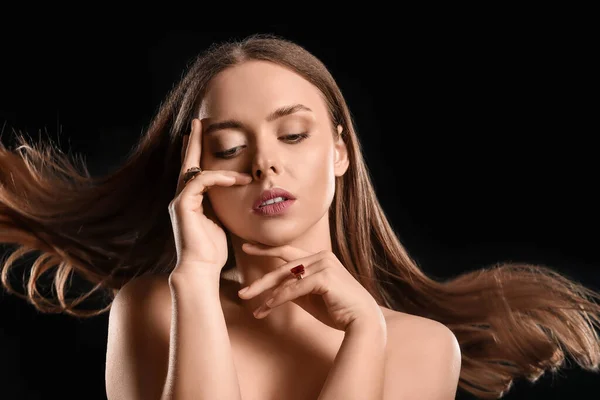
480	138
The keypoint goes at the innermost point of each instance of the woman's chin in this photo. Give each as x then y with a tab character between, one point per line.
270	240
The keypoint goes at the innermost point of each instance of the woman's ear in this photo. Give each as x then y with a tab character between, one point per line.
341	161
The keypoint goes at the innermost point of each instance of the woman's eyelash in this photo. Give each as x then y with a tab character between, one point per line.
231	152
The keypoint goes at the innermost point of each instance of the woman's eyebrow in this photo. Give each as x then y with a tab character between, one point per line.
236	124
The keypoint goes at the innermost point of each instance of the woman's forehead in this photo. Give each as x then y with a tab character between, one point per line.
257	88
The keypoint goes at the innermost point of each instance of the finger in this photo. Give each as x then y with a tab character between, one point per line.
190	153
197	185
282	274
312	284
194	147
184	147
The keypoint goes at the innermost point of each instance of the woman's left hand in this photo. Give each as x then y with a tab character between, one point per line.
327	291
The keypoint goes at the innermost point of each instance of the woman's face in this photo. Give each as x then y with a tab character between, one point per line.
305	166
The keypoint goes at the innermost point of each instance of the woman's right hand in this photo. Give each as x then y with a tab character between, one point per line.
200	240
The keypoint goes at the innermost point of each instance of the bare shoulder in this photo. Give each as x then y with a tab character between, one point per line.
423	358
146	297
153	288
150	296
148	282
137	348
405	325
407	330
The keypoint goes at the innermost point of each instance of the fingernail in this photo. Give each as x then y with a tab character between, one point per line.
258	311
242	291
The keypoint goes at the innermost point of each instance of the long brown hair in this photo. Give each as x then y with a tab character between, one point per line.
511	320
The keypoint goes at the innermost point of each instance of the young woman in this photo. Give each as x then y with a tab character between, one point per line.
251	176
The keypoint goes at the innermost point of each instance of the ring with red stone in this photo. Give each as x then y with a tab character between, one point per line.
298	271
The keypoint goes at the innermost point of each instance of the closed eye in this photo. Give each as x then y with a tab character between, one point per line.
296	138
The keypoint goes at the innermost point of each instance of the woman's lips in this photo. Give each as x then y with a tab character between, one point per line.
272	194
278	208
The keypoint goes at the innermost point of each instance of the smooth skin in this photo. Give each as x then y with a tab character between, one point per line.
199	238
263	155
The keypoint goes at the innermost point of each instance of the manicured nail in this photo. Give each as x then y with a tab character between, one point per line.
258	311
